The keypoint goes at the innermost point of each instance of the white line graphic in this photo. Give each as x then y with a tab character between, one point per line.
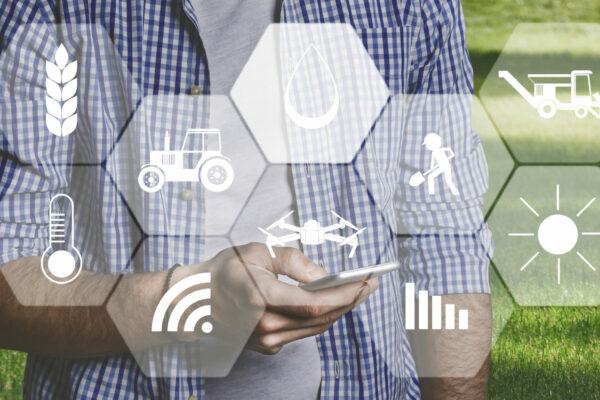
530	260
586	206
529	206
586	261
184	304
61	94
436	311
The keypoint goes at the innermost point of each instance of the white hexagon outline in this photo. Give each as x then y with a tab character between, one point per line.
165	359
273	135
493	76
128	187
518	298
79	298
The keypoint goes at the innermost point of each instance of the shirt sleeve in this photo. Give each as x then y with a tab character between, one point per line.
447	245
34	164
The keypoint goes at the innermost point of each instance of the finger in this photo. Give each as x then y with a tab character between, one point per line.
289	298
251	345
297	302
271	343
279	339
288	261
274	322
293	263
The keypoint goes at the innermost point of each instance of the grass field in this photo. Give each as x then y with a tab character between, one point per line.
12	366
542	352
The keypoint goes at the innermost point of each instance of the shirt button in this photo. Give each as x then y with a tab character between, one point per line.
193	398
195	90
187	194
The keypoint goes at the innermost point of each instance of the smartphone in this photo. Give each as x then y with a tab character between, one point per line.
353	275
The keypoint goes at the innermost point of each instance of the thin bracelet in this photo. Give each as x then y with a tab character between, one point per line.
165	290
169	277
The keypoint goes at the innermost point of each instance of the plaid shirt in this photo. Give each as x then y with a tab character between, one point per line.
419	48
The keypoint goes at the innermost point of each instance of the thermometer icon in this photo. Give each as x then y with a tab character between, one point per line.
61	261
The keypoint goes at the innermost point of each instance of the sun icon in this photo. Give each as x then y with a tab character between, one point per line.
557	233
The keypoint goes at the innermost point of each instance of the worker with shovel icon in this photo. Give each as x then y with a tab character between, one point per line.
440	164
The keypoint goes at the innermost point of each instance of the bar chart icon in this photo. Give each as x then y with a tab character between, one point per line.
436	311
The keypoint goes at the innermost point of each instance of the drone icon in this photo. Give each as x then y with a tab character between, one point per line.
312	233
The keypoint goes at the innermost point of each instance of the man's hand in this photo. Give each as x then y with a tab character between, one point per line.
241	276
248	274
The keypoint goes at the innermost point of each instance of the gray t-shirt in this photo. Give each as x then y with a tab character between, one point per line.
230	30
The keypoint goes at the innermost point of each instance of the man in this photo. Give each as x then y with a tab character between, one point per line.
176	47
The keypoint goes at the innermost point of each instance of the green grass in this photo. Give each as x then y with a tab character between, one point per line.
542	352
547	353
490	23
12	366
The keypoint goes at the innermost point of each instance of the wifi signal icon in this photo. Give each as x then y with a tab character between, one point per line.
201	295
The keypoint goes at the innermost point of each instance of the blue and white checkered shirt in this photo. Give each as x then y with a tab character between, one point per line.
418	47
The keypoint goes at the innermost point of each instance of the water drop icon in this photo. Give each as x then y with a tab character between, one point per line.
311	122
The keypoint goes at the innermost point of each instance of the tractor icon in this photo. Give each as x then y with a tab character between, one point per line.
209	166
554	92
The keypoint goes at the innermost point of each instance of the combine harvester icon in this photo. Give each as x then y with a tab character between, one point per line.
546	100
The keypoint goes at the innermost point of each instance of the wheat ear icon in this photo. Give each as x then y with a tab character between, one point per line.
61	94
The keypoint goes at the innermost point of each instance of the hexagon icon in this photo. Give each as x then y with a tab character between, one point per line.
542	93
388	158
101	95
198	327
185	165
272	216
408	179
272	198
274	201
75	264
310	93
546	229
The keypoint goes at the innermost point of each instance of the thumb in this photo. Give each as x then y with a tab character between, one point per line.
293	263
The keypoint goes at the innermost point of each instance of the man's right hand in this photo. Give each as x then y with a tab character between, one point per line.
243	278
247	277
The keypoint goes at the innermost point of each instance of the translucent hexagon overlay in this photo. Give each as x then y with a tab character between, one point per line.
310	93
499	161
211	324
98	74
541	92
159	165
381	158
261	210
426	183
77	232
545	227
393	153
274	198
